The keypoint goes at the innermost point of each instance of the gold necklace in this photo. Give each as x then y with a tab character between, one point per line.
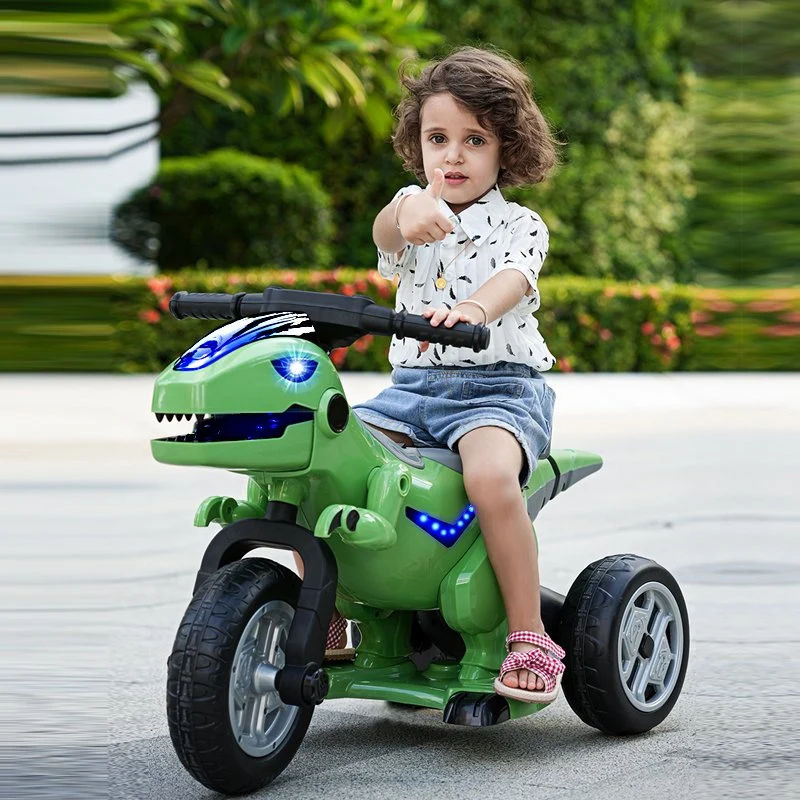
441	281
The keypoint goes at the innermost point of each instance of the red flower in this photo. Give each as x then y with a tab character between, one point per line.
656	340
647	328
565	364
361	285
348	289
674	343
150	316
339	356
289	278
163	303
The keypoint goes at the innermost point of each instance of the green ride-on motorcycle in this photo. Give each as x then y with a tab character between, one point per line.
386	534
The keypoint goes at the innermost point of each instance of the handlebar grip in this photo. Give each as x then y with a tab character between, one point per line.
462	334
206	305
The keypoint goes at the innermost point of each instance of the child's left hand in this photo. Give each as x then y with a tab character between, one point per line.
469	314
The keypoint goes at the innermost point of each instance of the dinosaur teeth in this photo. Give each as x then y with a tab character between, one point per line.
159	416
169	417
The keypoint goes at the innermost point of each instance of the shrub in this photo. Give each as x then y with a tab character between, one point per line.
228	208
612	78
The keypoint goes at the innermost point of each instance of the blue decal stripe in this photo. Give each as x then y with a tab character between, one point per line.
447	533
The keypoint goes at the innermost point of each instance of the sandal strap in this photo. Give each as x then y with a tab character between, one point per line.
538	662
538	640
335	631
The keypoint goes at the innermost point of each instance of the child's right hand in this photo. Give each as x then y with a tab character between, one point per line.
419	218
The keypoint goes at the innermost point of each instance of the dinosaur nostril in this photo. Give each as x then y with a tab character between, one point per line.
352	519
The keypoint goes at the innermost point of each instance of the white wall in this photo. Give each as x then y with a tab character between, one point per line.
57	190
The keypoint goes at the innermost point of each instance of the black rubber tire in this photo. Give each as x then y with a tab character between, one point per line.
589	632
198	677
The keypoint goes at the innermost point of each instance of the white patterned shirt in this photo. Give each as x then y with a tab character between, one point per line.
490	236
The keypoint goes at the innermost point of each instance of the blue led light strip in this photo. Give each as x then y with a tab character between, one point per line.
447	533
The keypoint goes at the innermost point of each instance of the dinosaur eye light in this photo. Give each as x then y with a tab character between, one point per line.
295	369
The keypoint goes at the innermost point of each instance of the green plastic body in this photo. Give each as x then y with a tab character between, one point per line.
389	567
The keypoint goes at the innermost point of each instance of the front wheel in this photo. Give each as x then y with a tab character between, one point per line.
626	632
229	726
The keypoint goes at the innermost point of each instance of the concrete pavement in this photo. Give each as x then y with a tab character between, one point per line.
99	558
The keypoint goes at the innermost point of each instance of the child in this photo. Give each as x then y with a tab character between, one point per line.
464	254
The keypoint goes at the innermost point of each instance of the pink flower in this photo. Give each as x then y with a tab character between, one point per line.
699	316
654	292
647	328
159	285
656	340
637	293
289	278
709	331
609	291
721	305
606	335
766	306
781	330
565	364
163	303
348	289
674	343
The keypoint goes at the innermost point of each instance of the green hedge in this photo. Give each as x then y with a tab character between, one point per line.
122	325
227	208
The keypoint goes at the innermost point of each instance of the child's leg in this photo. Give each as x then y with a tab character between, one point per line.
492	460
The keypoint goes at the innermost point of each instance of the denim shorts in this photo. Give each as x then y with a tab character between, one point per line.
436	406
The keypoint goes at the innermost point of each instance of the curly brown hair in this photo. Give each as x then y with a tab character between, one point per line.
497	91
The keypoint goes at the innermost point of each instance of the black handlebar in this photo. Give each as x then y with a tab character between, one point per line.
355	316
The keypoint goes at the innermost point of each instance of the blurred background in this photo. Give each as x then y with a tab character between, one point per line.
149	145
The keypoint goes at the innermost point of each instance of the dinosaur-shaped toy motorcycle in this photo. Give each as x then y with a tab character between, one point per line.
386	533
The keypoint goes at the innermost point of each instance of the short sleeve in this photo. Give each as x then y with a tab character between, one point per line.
526	249
391	264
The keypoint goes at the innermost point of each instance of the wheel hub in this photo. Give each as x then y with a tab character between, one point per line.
260	720
650	646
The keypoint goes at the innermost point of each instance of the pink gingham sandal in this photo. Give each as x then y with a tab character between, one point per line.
543	661
333	642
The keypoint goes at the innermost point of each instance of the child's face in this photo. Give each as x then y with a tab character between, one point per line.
454	141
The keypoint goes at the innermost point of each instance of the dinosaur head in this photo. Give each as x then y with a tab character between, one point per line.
255	393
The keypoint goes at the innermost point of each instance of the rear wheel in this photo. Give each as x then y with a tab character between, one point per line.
626	633
229	726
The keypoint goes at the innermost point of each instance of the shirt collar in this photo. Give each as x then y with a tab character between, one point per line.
482	217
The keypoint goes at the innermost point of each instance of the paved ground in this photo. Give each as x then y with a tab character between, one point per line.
100	555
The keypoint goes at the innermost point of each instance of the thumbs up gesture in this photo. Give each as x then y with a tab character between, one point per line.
419	218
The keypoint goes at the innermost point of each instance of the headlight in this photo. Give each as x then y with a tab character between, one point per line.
295	369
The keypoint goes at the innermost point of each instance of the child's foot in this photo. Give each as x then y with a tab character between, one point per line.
531	673
523	678
336	648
